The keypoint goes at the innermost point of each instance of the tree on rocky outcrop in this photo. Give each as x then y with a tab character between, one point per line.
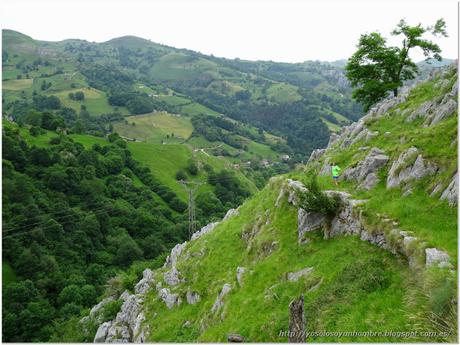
375	69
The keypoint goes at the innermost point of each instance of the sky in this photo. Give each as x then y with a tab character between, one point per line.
285	31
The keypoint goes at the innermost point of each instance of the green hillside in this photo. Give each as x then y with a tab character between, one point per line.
394	234
132	76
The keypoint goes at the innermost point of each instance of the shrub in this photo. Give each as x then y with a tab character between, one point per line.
111	309
181	175
317	201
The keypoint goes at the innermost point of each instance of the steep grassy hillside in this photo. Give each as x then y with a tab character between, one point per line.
384	262
130	75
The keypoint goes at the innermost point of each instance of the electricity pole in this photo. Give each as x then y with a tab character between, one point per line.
191	187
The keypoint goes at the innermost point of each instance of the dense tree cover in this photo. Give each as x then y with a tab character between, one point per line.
376	70
44	112
71	217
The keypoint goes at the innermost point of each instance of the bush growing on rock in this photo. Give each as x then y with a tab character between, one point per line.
315	200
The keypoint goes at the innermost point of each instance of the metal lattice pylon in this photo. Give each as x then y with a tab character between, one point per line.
191	187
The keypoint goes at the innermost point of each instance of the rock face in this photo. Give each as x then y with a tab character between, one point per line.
193	297
294	187
316	154
297	332
127	324
172	277
435	257
102	331
145	283
348	221
204	230
295	276
239	275
403	170
366	171
170	299
308	221
451	192
441	112
219	303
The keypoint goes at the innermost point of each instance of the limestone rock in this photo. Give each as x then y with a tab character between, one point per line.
374	161
436	257
326	168
172	277
231	213
102	331
369	182
295	276
193	297
401	172
451	192
295	187
126	324
316	154
422	111
204	230
145	283
441	112
170	299
308	221
171	260
239	274
219	303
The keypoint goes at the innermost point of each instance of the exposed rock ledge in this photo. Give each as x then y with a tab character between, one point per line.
128	324
349	221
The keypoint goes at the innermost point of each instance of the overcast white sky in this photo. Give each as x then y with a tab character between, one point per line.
288	30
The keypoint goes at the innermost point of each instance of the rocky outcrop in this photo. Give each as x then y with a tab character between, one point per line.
193	297
239	275
308	221
365	173
204	230
219	303
440	112
316	154
171	259
295	276
127	324
451	192
172	277
349	221
436	257
146	283
406	169
170	299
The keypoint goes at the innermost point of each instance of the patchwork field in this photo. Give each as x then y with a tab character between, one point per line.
155	127
95	101
17	84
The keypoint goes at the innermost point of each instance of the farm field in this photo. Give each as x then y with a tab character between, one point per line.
154	127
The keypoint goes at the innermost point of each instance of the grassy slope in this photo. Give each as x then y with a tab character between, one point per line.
166	160
155	126
428	217
331	306
347	298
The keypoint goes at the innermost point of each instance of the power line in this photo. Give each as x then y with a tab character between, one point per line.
104	209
